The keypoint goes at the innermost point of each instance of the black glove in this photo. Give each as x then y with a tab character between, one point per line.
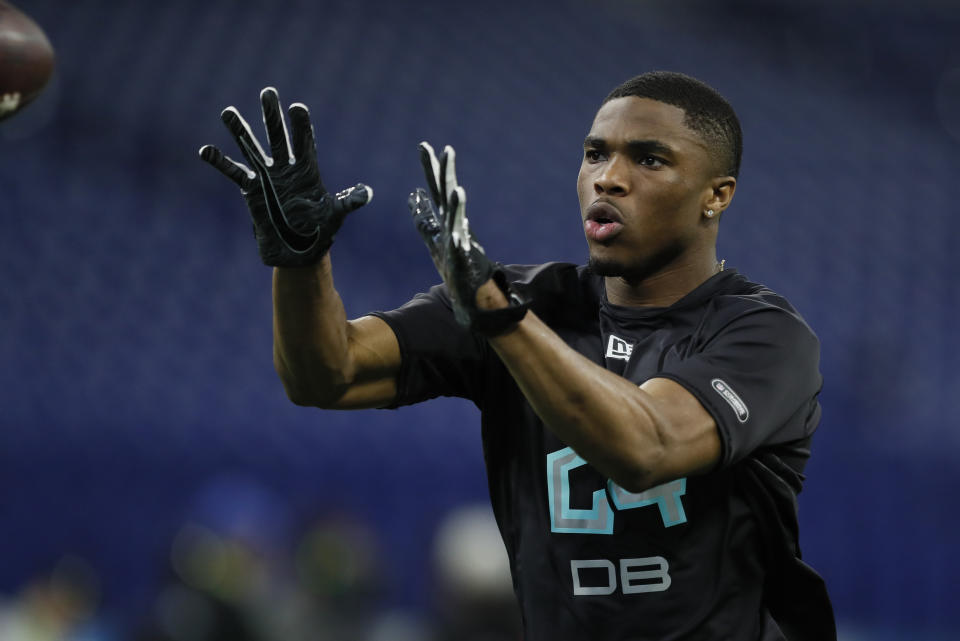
294	217
458	257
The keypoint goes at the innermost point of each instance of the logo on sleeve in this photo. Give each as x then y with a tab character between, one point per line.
619	348
732	399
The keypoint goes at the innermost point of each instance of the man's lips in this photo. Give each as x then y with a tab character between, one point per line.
603	222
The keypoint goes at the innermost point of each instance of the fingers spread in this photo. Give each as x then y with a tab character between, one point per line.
235	171
459	227
449	174
352	198
248	142
442	183
303	142
424	217
431	168
276	127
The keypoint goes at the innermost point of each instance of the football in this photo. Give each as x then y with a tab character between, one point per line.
26	59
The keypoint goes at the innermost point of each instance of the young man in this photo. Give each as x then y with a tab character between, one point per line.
646	418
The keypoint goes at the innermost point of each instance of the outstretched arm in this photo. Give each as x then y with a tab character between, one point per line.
637	436
322	359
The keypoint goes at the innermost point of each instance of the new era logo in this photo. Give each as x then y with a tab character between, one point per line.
619	348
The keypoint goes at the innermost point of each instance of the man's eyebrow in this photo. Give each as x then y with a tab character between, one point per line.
649	146
633	146
594	141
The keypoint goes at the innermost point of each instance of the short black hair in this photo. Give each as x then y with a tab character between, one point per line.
706	112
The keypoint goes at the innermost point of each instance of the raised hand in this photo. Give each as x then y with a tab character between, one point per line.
456	254
294	217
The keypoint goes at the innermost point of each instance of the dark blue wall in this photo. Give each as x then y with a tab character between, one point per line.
135	358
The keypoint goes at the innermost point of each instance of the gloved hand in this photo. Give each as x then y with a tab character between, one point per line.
294	217
458	257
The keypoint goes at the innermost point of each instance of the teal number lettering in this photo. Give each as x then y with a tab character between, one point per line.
665	496
563	518
598	519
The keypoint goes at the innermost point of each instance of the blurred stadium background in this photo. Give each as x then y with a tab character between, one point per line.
153	476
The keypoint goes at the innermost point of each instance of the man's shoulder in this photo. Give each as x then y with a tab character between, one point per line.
740	297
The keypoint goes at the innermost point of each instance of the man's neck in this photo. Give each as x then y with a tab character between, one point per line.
663	288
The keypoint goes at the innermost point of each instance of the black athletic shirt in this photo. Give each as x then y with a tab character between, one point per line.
704	557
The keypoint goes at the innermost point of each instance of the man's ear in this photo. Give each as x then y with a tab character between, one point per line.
720	194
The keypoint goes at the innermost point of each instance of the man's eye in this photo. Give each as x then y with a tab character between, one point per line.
592	155
651	161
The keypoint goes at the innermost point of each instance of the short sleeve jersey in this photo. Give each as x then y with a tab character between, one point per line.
689	559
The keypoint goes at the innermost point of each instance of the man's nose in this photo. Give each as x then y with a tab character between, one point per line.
614	179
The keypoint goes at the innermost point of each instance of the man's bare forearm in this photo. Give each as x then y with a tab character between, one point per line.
323	359
310	343
638	436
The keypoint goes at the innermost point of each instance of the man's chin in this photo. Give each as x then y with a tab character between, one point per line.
606	267
636	269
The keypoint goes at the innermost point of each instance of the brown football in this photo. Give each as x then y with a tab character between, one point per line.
26	59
